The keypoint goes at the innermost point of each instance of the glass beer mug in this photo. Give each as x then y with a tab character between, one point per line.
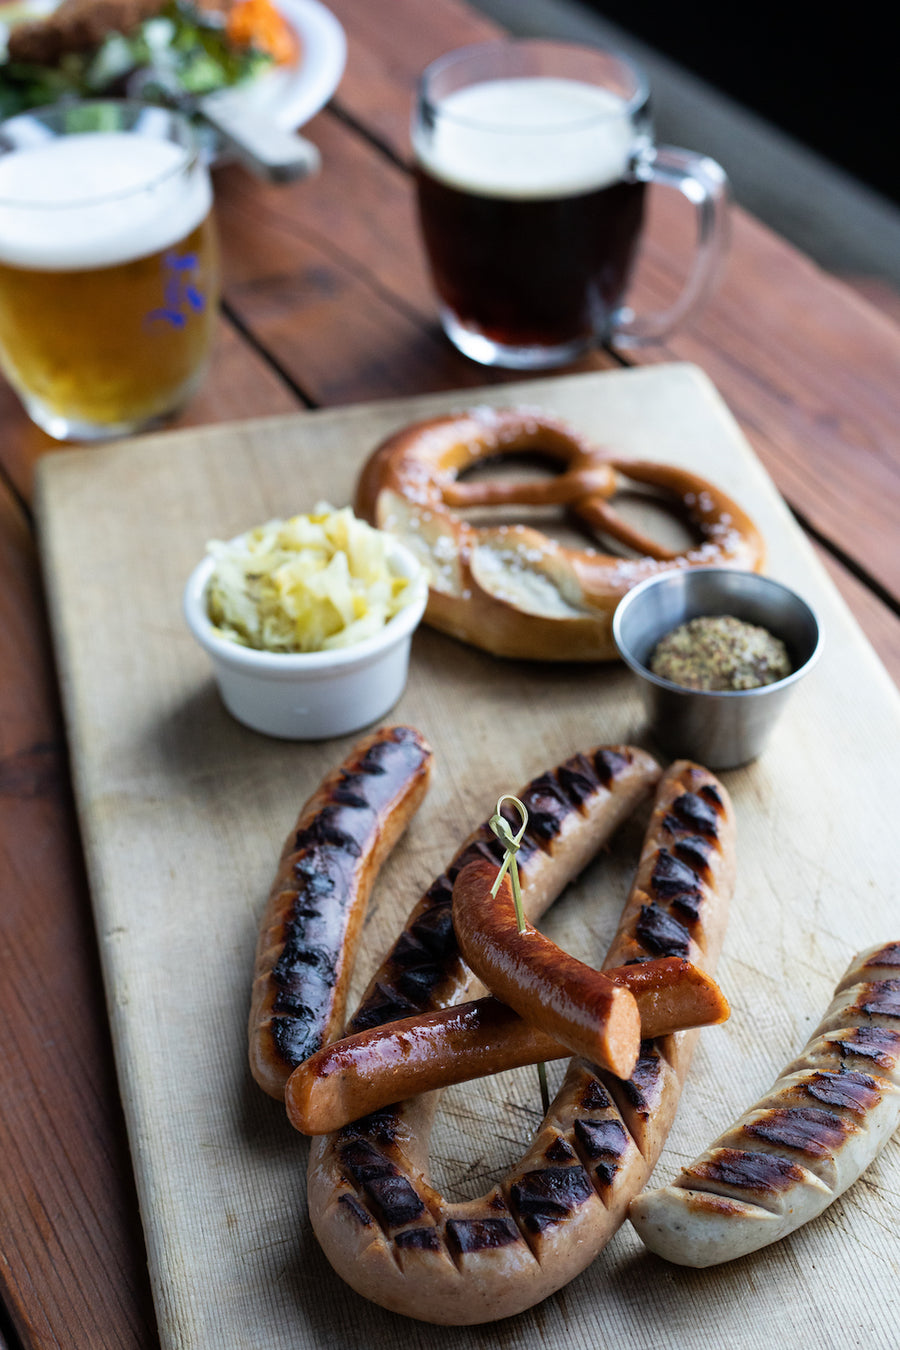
108	266
532	162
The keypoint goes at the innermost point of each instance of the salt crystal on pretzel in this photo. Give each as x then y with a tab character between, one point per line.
510	589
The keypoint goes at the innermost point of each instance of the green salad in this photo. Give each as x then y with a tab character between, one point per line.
181	52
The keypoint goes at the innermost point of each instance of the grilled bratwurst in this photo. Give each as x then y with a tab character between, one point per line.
313	919
808	1139
383	1227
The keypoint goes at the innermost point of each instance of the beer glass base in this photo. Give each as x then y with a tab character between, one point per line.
63	428
486	352
71	429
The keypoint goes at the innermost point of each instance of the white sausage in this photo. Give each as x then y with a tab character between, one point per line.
809	1138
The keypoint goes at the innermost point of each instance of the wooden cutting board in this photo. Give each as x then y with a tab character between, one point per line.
183	814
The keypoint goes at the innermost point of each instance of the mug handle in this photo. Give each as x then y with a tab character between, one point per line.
705	184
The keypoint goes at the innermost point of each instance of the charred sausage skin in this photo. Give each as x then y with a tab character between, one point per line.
384	1228
366	1072
424	969
809	1138
310	929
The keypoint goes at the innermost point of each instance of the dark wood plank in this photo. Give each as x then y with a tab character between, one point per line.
811	371
383	66
300	236
879	623
73	1269
878	292
341	297
21	444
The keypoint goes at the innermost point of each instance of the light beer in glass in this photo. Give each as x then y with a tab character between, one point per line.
108	266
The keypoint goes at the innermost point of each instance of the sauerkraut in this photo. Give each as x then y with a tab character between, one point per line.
311	583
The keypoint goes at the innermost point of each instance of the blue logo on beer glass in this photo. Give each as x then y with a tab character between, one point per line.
180	295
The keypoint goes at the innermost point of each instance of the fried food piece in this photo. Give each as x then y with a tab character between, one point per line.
77	26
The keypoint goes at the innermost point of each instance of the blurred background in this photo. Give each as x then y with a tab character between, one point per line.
799	107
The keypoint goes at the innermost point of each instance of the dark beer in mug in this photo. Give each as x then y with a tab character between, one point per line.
530	210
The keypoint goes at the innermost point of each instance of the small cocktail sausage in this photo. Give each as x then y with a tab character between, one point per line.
365	1072
546	986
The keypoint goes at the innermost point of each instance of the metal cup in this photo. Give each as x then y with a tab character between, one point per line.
718	729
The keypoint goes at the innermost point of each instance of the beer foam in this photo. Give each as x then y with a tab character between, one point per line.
97	200
528	138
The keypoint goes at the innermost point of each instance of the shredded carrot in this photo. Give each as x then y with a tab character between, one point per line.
257	23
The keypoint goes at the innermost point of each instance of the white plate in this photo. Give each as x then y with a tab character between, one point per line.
293	94
289	95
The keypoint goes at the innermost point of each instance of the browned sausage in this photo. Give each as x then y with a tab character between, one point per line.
545	985
310	929
362	1073
572	810
382	1225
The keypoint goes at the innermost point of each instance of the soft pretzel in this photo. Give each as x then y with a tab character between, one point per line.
510	589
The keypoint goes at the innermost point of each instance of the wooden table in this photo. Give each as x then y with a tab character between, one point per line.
327	302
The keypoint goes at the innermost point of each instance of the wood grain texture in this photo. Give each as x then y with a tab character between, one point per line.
875	618
183	813
883	295
60	1126
380	80
808	367
341	298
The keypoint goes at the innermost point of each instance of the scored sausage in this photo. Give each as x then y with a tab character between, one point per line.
310	929
808	1139
362	1073
382	1225
578	1005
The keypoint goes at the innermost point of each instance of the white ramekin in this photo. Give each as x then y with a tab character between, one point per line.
310	696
